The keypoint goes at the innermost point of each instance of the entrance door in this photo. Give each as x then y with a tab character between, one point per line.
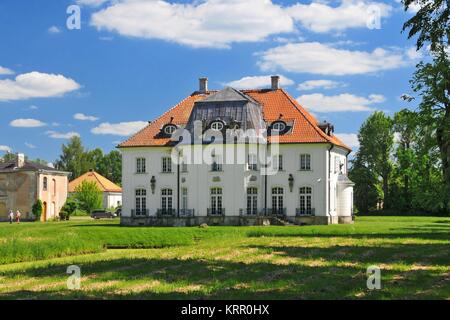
44	212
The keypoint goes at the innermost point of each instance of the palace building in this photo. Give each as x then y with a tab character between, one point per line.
236	157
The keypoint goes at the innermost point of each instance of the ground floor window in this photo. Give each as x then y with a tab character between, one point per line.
141	202
216	201
305	200
184	199
252	200
166	200
277	200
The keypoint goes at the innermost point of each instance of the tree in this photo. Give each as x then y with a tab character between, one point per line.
432	82
111	167
73	158
365	191
68	209
88	196
376	139
431	23
37	210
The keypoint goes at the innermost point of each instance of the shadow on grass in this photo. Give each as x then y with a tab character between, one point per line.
142	278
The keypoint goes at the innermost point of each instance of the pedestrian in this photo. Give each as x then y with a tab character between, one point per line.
11	216
18	214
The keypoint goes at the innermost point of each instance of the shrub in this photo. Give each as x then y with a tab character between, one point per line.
68	209
37	210
88	196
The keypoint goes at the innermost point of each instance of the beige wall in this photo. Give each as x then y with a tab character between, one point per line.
54	196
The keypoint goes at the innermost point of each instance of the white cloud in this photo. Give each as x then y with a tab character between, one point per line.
83	117
207	24
54	30
33	107
60	135
5	71
318	58
321	17
257	82
36	85
320	84
318	102
350	139
5	148
26	123
91	3
29	145
119	129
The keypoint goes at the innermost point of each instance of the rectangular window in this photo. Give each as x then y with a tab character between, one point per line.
184	167
305	162
166	165
184	198
277	162
141	202
217	163
140	165
252	163
337	164
216	201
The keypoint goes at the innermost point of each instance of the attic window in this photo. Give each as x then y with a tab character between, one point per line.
278	126
170	129
217	125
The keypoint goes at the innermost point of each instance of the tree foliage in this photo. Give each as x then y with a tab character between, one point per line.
37	210
88	196
68	209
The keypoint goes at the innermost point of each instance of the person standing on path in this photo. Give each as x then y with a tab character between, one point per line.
11	216
18	214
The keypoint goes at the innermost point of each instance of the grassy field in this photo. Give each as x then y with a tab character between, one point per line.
314	262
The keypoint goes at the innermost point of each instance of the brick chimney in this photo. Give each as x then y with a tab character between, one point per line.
203	85
275	82
20	160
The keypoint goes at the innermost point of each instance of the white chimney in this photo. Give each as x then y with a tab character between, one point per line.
20	160
203	85
275	82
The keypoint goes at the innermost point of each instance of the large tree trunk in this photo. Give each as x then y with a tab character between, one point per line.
443	140
386	200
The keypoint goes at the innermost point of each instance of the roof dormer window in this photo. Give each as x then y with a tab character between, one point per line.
217	125
169	129
278	126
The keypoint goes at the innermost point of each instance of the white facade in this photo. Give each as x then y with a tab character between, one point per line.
112	199
314	191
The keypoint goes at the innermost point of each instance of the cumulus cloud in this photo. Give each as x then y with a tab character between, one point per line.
319	58
320	84
257	82
91	3
26	123
321	17
5	71
350	139
4	148
54	30
83	117
119	129
207	24
36	85
318	102
60	135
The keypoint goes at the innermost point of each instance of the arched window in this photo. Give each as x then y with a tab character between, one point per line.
54	187
45	184
252	201
170	129
305	201
166	201
277	200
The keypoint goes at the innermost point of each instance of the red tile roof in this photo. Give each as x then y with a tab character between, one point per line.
274	103
102	183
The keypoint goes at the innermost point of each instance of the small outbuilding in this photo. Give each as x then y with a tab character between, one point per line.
112	193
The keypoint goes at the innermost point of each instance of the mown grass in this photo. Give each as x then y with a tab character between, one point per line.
317	262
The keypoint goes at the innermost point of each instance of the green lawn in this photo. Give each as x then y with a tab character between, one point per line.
311	262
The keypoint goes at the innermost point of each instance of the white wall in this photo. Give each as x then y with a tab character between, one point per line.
234	180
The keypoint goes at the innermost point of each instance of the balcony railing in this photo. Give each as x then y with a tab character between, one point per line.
141	213
187	212
276	211
248	212
216	212
166	213
305	212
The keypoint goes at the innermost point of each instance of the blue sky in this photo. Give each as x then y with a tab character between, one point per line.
133	59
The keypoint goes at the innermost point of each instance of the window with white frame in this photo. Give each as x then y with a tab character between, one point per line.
217	125
141	202
305	201
184	167
45	184
277	162
216	201
277	200
140	165
166	200
166	165
252	201
278	126
216	163
337	164
184	199
305	162
169	129
252	162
